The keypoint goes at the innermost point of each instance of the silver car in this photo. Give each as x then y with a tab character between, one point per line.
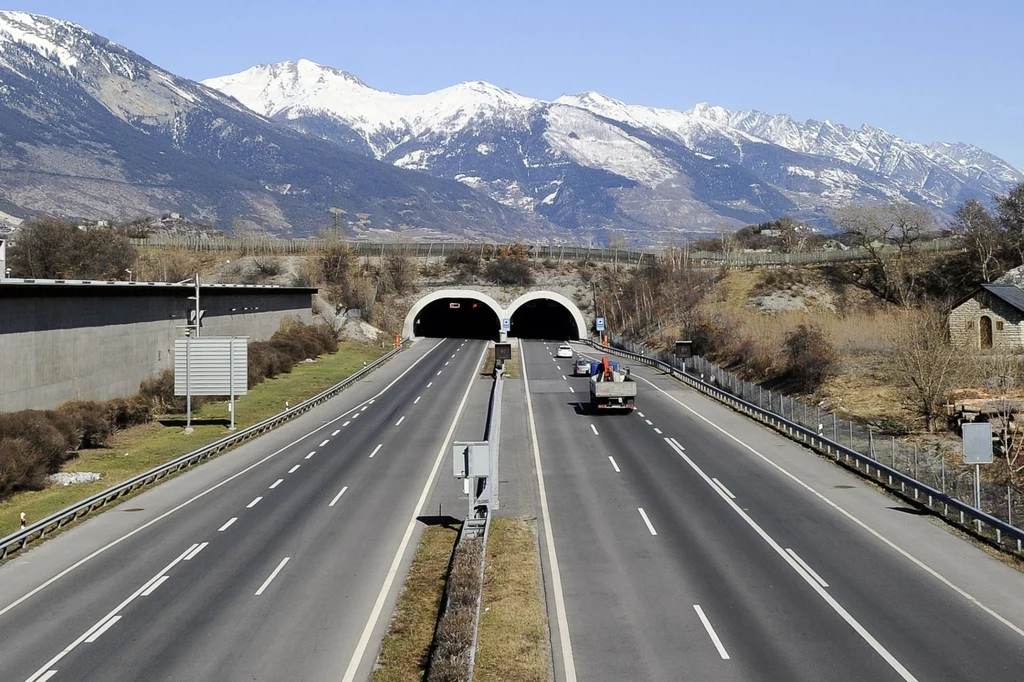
581	368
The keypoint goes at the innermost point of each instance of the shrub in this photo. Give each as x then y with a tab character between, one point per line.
510	272
20	467
89	419
49	435
810	359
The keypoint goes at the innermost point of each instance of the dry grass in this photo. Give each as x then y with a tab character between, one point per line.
405	650
512	641
511	366
141	448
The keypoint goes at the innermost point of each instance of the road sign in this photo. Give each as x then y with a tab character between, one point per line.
600	324
977	443
506	324
453	306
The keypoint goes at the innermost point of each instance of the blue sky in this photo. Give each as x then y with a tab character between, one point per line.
925	70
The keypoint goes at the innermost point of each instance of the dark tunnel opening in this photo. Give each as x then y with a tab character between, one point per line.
544	319
465	318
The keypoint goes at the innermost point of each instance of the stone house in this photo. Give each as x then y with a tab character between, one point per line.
990	317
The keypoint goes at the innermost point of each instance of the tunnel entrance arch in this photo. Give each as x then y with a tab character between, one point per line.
454	313
546	315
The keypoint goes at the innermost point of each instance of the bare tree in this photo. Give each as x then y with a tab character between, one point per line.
927	366
792	238
889	233
982	237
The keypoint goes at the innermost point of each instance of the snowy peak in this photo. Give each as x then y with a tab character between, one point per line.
52	39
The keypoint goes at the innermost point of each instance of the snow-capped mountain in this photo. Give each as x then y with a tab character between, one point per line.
592	162
90	129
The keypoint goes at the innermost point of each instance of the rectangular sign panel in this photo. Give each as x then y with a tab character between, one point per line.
454	305
977	443
600	324
506	324
503	351
211	360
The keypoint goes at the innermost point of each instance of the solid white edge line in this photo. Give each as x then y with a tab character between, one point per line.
209	490
106	626
569	664
338	497
399	422
378	606
68	649
199	548
594	429
294	469
614	465
807	568
270	578
376	450
253	503
650	526
711	632
152	588
881	538
325	442
227	525
722	486
48	675
836	606
275	484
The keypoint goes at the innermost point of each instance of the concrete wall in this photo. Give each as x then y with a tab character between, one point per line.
93	342
965	322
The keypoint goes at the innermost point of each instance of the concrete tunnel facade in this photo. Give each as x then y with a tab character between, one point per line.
489	313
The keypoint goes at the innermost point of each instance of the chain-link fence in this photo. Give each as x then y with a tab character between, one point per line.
930	464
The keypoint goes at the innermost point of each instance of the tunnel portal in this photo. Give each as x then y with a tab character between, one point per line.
544	318
465	318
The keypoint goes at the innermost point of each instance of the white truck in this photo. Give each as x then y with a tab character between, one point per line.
611	389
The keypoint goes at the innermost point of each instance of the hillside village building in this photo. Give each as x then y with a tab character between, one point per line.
990	317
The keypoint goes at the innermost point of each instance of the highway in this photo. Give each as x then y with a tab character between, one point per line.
693	544
278	561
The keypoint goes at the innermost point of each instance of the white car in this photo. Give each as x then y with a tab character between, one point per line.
564	351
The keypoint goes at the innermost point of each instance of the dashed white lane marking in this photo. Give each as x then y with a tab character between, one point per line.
253	503
711	632
106	626
650	526
371	401
724	489
376	450
572	390
657	430
325	442
338	497
310	455
273	575
346	423
614	465
649	422
798	569
640	414
152	588
453	355
43	672
810	571
439	372
364	408
430	384
399	422
594	429
276	483
417	399
48	675
335	433
564	378
558	367
294	469
447	363
227	525
356	415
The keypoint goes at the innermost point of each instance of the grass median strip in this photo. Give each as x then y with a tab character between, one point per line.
138	449
511	366
512	640
405	650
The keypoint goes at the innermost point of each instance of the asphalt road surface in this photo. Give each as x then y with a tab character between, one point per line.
691	543
277	561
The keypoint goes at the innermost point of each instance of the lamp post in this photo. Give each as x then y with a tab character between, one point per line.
128	270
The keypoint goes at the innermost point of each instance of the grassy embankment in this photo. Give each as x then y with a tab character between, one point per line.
141	448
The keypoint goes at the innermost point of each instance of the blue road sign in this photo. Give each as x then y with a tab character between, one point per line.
600	324
506	324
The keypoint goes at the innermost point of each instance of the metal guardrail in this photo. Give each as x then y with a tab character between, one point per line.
37	531
1000	533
